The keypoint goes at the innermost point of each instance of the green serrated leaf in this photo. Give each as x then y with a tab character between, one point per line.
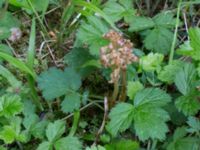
45	146
151	96
121	118
165	19
188	104
141	23
180	142
194	124
29	108
191	48
71	102
55	83
151	62
123	145
4	33
9	21
169	71
159	40
117	11
12	132
91	33
38	131
76	60
185	78
133	87
55	130
68	143
98	147
10	105
149	117
149	122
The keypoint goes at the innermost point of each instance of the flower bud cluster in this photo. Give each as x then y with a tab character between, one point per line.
117	54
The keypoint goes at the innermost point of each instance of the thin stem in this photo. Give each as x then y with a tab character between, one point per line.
153	147
115	93
175	32
124	82
34	94
75	123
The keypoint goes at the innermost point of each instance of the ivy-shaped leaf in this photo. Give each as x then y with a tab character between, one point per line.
55	83
71	102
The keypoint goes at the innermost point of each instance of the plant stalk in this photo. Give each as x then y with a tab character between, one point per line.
124	82
115	93
75	123
175	32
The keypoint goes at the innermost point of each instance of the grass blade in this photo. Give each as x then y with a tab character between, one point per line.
17	63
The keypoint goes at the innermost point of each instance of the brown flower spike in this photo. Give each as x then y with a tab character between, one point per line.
117	55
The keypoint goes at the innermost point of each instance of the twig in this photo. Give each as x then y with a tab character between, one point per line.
103	122
84	107
50	51
185	22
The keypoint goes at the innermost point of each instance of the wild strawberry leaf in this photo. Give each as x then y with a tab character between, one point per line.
45	146
191	48
91	33
154	97
117	11
141	23
180	142
121	118
185	78
71	102
98	147
149	117
55	130
12	132
150	122
188	104
165	19
123	145
133	87
146	114
151	62
159	40
168	73
77	58
10	105
194	124
68	143
55	82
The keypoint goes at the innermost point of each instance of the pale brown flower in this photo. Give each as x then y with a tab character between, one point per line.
117	54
